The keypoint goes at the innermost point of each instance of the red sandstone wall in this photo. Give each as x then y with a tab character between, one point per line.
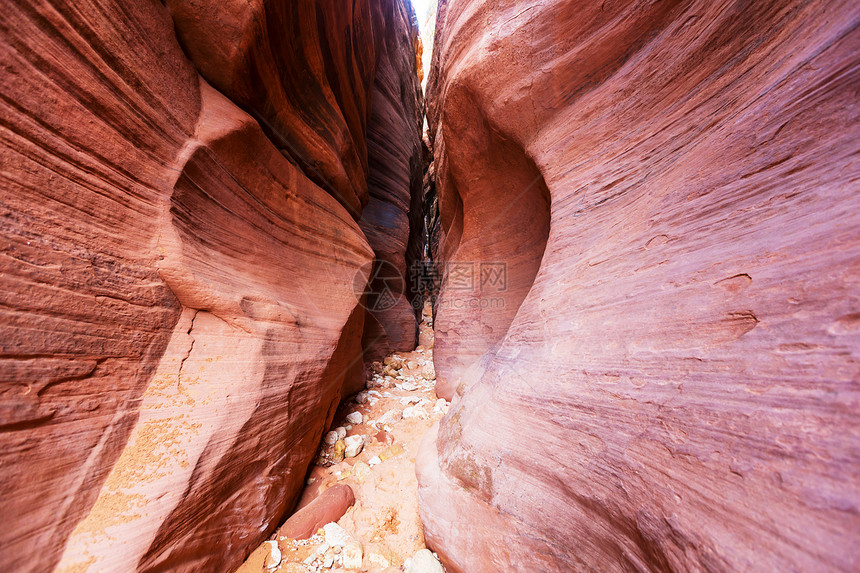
180	189
672	381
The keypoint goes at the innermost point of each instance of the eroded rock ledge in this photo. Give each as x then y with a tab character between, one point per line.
181	190
671	380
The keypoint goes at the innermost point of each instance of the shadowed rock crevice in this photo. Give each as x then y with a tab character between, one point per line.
496	221
392	221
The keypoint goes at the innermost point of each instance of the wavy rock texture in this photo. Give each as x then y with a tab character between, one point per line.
669	380
393	219
304	70
178	318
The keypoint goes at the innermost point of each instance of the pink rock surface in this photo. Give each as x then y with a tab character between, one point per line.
178	320
671	382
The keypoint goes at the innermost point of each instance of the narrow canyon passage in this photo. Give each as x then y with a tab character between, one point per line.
291	286
382	527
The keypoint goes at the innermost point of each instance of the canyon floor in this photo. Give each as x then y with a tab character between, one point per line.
397	407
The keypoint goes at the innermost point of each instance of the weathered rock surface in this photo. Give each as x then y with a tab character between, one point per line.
304	70
328	506
393	218
671	381
179	321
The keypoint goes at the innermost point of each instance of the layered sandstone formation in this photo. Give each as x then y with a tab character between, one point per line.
392	220
180	192
668	377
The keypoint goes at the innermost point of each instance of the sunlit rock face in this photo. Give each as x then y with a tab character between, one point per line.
181	186
670	378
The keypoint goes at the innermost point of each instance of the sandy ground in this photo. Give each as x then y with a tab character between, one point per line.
384	518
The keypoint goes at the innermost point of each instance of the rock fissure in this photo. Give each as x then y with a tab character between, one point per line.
190	350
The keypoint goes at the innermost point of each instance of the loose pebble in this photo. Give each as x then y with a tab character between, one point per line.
378	560
390	417
353	554
354	445
338	452
336	535
361	470
328	558
394	450
413	412
274	558
423	562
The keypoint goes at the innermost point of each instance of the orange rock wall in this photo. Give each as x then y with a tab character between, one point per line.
179	196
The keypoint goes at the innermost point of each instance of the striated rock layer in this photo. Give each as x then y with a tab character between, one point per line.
392	221
178	315
668	377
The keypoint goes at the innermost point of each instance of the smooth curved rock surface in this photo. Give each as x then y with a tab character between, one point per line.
672	381
327	507
179	319
392	221
304	70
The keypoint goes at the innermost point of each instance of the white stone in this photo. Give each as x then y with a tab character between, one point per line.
374	461
354	445
328	558
361	397
390	417
354	418
413	412
331	438
407	386
410	400
341	432
352	555
378	560
423	562
274	558
336	535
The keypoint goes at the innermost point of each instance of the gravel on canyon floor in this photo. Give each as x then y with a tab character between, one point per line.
371	448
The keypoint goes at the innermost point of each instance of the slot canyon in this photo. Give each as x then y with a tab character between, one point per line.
468	286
